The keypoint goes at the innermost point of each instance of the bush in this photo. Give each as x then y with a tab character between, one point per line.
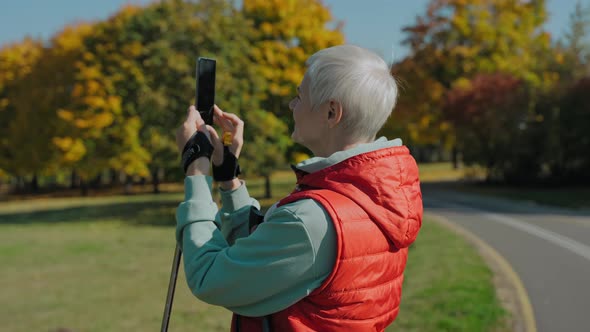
521	137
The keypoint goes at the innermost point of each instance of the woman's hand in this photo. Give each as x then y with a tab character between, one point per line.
193	123
233	126
229	124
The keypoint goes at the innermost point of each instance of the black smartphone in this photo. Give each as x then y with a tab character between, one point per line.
205	98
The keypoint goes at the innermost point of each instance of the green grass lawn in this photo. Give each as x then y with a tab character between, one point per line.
447	287
103	264
441	171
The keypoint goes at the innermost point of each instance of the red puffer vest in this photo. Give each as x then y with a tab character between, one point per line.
375	203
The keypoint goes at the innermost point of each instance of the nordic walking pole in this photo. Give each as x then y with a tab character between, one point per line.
205	99
171	288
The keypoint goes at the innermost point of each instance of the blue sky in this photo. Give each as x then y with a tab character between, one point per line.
374	24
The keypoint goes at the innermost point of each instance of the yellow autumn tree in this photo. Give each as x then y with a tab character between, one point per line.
285	34
288	32
22	129
111	60
84	101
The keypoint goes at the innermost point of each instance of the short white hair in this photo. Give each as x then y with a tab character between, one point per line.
360	80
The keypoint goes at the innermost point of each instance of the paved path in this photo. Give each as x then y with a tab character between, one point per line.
549	249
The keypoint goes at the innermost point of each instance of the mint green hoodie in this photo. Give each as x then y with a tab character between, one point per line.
285	259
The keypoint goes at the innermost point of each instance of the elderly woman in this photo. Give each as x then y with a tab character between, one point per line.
331	255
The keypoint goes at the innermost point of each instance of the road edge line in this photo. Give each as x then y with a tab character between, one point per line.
525	307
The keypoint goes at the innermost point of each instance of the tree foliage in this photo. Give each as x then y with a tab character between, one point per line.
119	87
452	43
18	123
572	58
482	76
490	117
560	134
86	104
267	140
286	33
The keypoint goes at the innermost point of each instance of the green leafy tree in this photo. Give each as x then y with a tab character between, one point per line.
121	86
574	139
267	141
153	69
561	130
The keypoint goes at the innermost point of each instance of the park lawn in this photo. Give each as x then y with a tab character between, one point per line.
105	266
447	287
440	171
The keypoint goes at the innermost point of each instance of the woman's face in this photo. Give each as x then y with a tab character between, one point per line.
309	124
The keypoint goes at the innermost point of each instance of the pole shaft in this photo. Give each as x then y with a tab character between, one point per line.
171	288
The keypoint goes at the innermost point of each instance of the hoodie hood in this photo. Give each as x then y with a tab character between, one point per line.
383	182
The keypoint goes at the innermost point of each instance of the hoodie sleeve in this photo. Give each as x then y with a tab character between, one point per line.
264	272
235	213
198	205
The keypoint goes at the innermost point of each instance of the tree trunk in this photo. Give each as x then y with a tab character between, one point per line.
20	184
267	192
35	184
113	177
95	183
455	157
128	185
156	179
74	180
83	188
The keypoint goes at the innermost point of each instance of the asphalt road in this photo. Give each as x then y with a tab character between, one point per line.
549	248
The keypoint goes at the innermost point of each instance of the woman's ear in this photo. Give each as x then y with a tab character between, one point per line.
334	113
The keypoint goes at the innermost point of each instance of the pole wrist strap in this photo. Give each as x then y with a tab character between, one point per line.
197	146
229	168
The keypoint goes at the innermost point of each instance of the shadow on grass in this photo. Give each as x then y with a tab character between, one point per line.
139	213
146	211
155	213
